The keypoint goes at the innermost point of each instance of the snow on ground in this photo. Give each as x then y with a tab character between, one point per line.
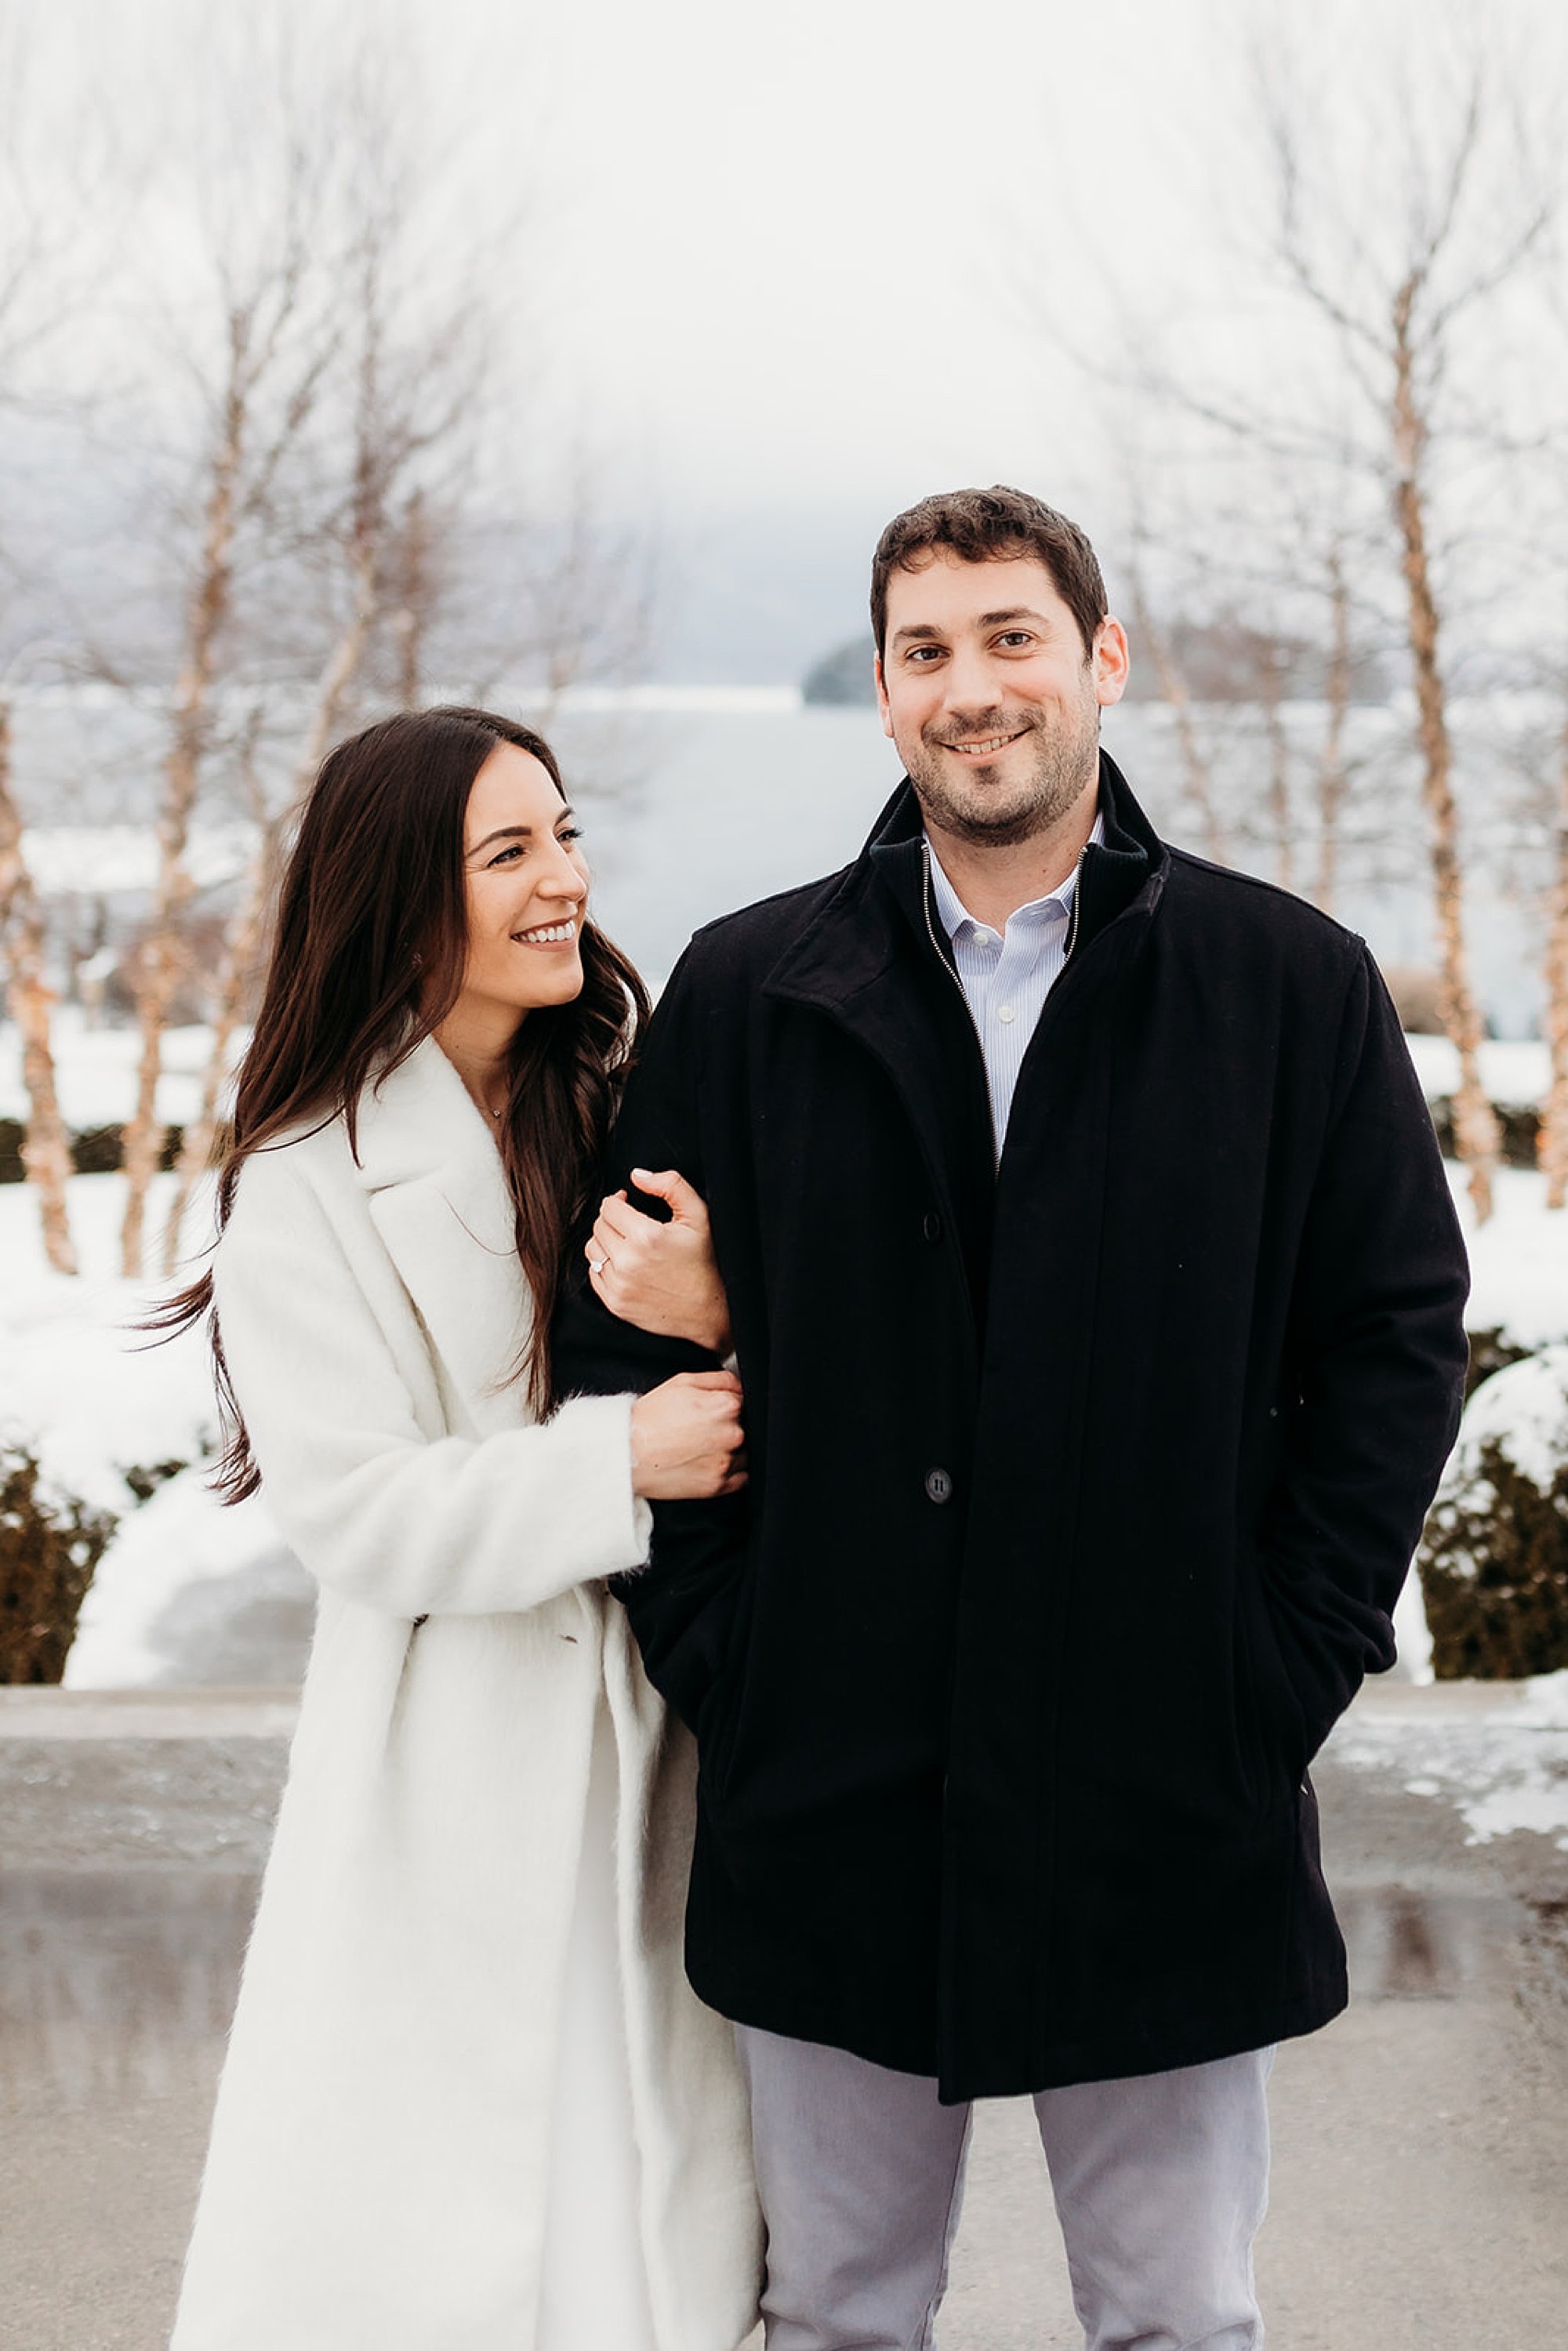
79	1384
95	1070
96	1067
1518	1259
1524	1411
102	860
1504	1768
82	1388
1514	1071
183	1536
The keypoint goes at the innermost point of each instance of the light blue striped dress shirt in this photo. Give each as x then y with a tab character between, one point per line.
1007	975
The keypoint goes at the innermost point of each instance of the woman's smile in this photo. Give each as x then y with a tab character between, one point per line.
547	934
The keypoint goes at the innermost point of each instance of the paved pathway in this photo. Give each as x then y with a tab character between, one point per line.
1421	2179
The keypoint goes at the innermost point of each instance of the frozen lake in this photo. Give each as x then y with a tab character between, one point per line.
699	801
717	809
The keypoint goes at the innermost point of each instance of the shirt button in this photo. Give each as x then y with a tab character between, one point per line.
939	1485
1004	1012
983	938
931	1228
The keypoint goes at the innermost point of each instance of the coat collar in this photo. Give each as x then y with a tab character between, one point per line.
875	960
853	941
439	1198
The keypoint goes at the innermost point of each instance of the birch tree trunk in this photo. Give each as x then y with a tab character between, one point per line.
46	1148
411	605
1272	666
1551	1145
1174	690
1332	775
243	946
159	963
1476	1136
242	951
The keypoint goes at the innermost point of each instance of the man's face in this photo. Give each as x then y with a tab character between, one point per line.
985	687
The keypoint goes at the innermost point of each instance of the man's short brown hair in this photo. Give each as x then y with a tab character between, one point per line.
987	525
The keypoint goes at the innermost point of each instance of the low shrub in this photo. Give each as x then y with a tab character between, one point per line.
1490	1351
1519	1125
1493	1559
145	1478
49	1546
100	1150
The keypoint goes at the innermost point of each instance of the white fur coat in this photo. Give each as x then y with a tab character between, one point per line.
380	2157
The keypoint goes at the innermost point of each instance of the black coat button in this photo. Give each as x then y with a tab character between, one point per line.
939	1485
931	1228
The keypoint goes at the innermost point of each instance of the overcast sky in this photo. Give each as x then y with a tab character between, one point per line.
799	265
802	247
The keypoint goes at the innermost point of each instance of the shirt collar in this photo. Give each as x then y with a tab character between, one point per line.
953	914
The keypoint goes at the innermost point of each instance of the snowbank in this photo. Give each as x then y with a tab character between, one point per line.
1523	1411
180	1538
79	1386
82	1390
1504	1769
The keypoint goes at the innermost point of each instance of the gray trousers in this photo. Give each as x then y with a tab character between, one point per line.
1160	2184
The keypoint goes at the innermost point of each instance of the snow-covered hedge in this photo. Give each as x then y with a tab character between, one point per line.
51	1543
1494	1555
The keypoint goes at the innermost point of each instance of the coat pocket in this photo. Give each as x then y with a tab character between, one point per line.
1271	1717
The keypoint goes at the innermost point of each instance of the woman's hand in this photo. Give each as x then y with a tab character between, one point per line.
663	1277
686	1439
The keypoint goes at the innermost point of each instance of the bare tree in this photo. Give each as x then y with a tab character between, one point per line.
276	340
1333	769
1271	660
414	578
411	388
1197	774
1473	216
39	290
1552	1144
1447	218
46	1148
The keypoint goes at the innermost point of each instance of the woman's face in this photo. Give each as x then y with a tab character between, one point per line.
527	883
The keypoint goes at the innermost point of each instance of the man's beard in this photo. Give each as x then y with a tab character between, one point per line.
1065	761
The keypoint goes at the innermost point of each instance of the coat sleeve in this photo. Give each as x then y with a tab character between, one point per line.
375	1508
1377	1359
681	1603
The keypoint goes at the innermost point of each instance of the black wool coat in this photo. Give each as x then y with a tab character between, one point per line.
1082	1487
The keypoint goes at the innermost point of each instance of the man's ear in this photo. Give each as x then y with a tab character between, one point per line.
882	701
1112	661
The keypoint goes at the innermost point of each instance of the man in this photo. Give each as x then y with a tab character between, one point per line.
1096	1294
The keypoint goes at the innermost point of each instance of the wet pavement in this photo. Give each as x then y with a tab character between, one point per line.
1421	2174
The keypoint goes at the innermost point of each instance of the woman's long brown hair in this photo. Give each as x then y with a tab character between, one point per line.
367	961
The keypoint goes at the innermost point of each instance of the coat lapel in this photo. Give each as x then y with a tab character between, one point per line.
439	1199
866	965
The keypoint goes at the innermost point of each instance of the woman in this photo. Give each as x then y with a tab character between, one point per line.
469	2104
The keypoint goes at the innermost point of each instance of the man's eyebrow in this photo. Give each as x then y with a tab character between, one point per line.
509	832
919	632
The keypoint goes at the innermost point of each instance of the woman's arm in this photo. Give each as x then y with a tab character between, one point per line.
661	1276
373	1505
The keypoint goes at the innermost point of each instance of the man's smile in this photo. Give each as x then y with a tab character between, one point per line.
984	747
